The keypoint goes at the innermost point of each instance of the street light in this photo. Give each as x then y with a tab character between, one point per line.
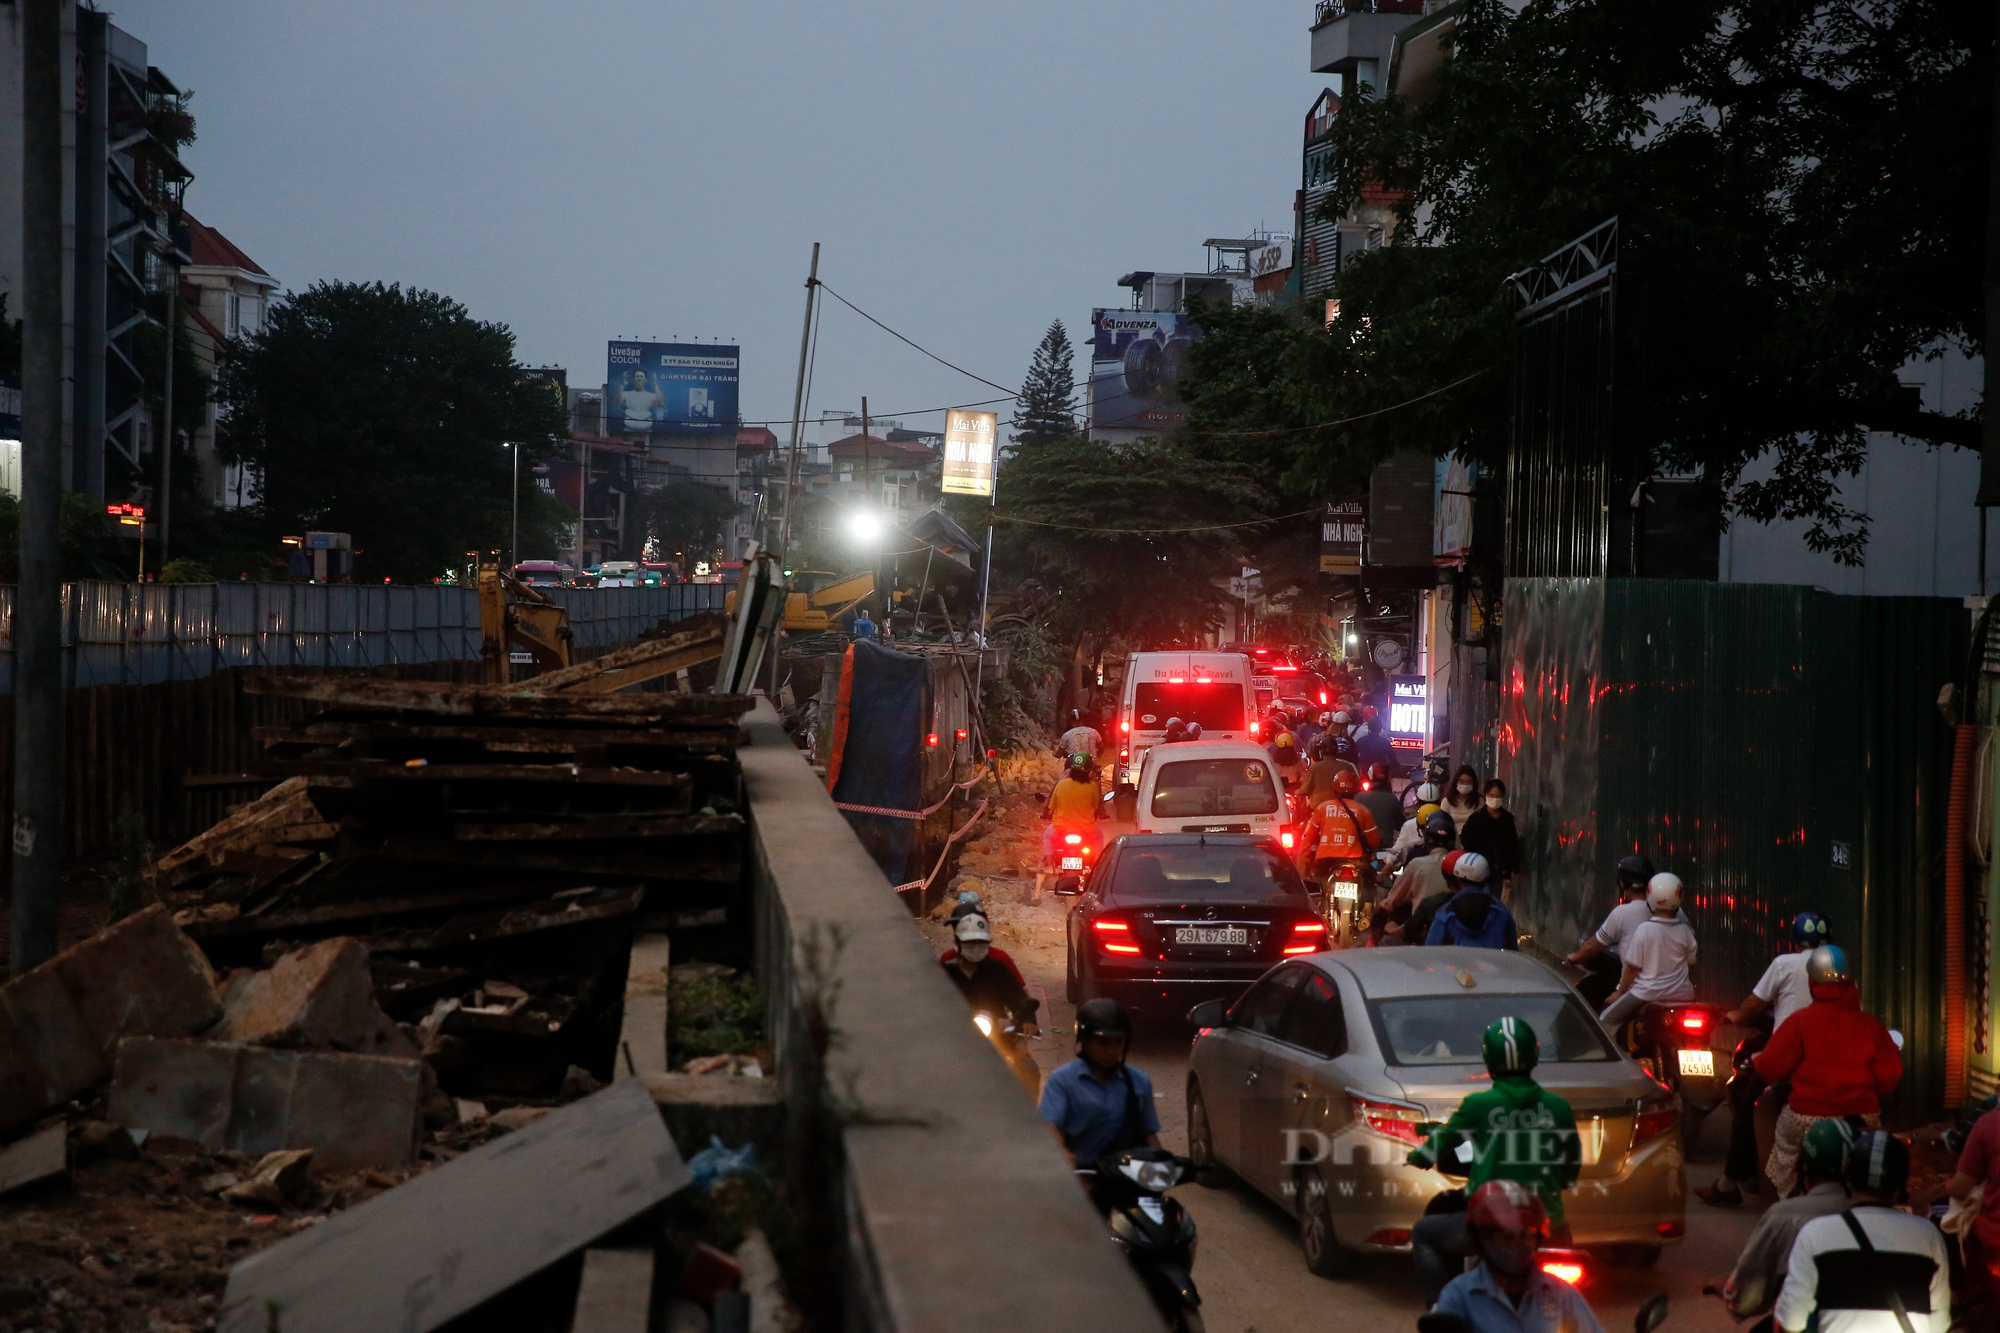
865	526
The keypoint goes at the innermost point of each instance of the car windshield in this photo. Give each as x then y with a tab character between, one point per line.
1214	787
1445	1029
1217	704
1237	872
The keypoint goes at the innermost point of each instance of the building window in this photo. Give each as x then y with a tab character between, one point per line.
232	311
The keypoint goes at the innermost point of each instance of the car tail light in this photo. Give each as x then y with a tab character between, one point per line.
1309	928
1114	936
1390	1119
1651	1123
1293	950
1126	727
1106	926
961	733
1564	1266
1254	726
1110	947
1388	1236
1670	1230
1288	838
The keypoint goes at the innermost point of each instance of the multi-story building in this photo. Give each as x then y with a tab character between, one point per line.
224	294
121	136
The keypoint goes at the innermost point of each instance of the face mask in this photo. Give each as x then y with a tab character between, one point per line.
1493	803
974	951
1465	789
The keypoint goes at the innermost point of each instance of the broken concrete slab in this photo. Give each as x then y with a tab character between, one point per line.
616	1293
60	1022
321	997
352	1110
280	1180
41	1156
734	1109
439	1245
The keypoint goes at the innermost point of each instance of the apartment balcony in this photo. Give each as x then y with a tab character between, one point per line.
1347	33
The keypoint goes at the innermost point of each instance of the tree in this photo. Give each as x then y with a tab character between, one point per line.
686	518
1047	412
384	412
1794	230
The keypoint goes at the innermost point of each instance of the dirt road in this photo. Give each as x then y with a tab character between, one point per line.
1248	1267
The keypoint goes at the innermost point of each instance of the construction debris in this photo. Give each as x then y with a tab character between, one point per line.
321	997
280	1180
61	1022
41	1156
458	1235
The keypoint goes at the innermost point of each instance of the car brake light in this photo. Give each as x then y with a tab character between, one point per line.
1109	947
1403	1123
1292	950
1652	1124
1254	725
961	733
1110	927
1309	928
1288	838
1176	680
1564	1268
1125	727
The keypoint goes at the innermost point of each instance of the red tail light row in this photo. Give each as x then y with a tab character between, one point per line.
1116	931
1306	938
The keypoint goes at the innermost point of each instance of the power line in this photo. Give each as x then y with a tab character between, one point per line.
1156	532
913	343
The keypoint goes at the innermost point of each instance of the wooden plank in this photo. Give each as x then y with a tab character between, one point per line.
616	1293
642	1040
505	829
527	919
362	909
666	664
525	739
494	700
361	770
705	643
286	803
416	1256
41	1156
199	780
664	861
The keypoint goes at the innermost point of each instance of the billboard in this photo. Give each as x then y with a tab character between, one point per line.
1136	361
968	452
1343	529
1409	712
670	388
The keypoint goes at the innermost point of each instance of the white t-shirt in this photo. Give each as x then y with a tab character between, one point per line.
1662	951
1622	921
1889	1232
1784	986
1080	739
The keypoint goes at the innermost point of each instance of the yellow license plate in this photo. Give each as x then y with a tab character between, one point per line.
1697	1064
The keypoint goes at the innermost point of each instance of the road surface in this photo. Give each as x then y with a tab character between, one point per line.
1248	1266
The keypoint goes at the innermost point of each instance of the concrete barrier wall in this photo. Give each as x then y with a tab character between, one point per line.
957	1208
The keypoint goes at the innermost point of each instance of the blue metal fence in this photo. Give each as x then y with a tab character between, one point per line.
133	634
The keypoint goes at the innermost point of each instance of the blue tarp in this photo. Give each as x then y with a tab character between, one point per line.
878	747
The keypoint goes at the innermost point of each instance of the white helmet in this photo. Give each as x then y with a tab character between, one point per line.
1663	893
1427	794
1471	867
971	929
1341	719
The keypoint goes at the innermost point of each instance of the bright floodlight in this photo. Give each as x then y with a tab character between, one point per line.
864	525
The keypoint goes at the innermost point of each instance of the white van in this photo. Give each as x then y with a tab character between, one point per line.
1211	787
1212	689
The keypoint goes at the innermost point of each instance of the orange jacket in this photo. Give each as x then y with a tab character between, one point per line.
1337	823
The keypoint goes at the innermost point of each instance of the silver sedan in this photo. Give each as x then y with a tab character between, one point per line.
1312	1087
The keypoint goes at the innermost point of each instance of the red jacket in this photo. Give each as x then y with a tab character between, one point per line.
1840	1060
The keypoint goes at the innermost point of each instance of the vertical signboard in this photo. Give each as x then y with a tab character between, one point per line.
969	439
1409	712
670	388
1343	528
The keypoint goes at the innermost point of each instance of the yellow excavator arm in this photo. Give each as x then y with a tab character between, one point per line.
813	612
511	615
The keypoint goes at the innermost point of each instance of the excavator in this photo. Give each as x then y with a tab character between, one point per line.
817	597
514	615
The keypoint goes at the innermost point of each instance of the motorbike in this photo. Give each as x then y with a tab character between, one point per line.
1676	1044
1007	1038
1155	1232
1071	858
1562	1262
1347	916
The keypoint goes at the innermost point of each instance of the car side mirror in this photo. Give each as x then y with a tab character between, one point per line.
1208	1014
1651	1315
1069	886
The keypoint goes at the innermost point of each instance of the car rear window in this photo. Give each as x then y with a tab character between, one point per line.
1214	787
1231	873
1445	1029
1217	704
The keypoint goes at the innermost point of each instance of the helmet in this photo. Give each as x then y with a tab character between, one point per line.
1378	773
1439	824
971	928
1194	731
1634	871
1173	722
1449	862
1879	1163
1326	719
1809	927
1427	793
1340	717
1343	747
1825	1147
1368	712
1425	811
1286	740
1102	1017
1472	868
1663	893
1345	783
1510	1047
1506	1205
1827	963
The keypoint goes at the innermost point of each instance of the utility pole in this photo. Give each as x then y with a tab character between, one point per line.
37	822
867	457
166	433
798	406
514	547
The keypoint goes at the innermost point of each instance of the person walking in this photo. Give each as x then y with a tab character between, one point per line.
1461	796
1841	1062
1490	831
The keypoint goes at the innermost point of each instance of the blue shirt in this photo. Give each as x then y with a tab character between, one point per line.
1549	1305
864	629
1496	931
1090	1114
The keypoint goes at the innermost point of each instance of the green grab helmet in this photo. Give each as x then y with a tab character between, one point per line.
1824	1150
1509	1047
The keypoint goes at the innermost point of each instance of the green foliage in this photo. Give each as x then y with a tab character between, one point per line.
131	885
1047	412
713	1015
383	412
686	517
185	570
1794	229
90	548
10	343
1019	711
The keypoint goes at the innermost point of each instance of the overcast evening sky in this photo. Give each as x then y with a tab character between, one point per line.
602	168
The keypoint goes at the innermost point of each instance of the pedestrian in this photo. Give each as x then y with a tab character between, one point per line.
1461	796
1490	831
1472	916
1658	956
1841	1062
1871	1268
1783	990
1752	1286
864	627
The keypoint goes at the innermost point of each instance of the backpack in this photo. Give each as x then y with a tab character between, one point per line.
1339	833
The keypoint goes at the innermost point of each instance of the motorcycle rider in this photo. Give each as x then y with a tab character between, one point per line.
1318	785
1841	1061
1419	800
1518	1131
1382	802
1472	916
970	904
1340	829
1657	955
1752	1286
1871	1268
1176	731
1508	1292
1423	879
987	983
1634	873
1097	1103
1073	807
1784	990
1285	754
1081	738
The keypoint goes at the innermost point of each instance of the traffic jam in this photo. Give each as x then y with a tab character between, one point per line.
1290	971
